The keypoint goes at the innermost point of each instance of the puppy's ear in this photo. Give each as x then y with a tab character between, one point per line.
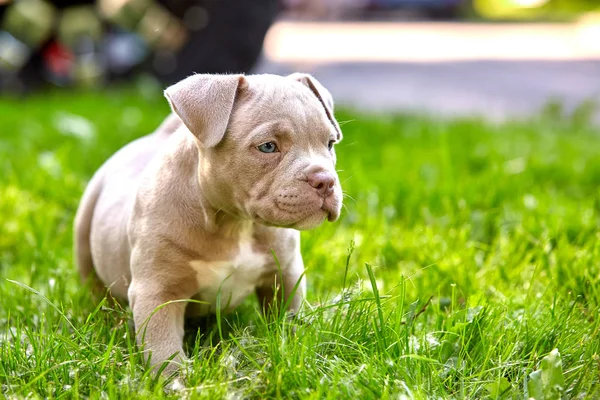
204	103
322	94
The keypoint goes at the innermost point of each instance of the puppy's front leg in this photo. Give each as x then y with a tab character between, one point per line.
284	282
159	327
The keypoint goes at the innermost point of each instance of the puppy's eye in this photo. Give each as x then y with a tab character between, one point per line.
268	147
330	144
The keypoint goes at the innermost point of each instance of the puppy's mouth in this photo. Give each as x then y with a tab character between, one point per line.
296	208
331	211
302	211
302	215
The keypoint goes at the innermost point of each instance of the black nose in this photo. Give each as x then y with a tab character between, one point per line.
322	181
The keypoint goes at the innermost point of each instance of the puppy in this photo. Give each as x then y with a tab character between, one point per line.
196	209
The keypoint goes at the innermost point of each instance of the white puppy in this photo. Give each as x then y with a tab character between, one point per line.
195	210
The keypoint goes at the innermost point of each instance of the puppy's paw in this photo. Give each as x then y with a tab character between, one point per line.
178	382
177	385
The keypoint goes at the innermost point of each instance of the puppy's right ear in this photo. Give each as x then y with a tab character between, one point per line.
204	103
322	94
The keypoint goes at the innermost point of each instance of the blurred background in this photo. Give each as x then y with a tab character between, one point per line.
500	58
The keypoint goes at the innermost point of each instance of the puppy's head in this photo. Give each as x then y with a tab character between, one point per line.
266	145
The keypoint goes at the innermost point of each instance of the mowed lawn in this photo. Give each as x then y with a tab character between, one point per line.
466	253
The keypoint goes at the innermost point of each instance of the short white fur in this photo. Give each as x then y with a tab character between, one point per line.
232	279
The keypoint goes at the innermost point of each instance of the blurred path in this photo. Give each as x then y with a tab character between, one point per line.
496	70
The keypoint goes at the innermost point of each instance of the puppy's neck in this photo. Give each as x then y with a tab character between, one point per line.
217	219
210	215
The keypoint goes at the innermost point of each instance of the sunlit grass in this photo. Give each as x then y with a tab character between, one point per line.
466	253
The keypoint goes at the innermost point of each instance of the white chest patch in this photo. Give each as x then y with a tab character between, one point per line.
229	282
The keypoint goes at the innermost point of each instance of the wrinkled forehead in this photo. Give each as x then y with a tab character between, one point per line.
282	102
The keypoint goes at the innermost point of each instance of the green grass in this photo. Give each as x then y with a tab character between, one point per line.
476	252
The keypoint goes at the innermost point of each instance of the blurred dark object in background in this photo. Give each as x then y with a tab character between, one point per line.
496	10
375	9
434	9
89	43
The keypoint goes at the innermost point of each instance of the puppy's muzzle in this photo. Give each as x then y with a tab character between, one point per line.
323	182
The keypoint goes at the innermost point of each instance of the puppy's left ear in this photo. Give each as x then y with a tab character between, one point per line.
322	94
204	103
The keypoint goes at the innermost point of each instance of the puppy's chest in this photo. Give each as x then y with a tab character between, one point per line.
228	282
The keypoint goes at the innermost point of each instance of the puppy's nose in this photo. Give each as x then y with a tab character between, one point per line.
323	181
